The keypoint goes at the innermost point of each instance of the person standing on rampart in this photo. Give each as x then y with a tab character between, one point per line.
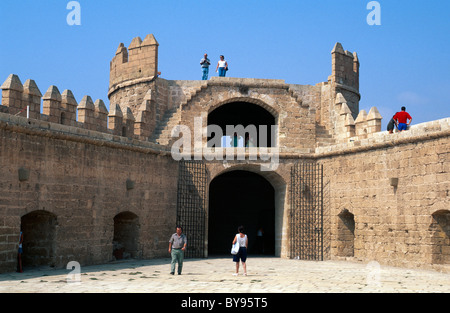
222	66
401	119
391	125
205	63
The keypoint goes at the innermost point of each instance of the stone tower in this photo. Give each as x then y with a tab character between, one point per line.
133	73
139	61
147	107
345	76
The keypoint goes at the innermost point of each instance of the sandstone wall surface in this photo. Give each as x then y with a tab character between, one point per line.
397	189
84	179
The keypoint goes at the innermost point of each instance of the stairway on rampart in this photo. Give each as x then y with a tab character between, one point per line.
323	137
163	131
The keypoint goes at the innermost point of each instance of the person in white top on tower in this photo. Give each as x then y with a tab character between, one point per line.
222	66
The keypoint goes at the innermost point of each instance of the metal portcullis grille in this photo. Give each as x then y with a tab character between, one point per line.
306	211
192	207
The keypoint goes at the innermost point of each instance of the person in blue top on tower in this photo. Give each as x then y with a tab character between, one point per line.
205	63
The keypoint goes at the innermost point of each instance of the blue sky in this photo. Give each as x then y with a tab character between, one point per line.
404	61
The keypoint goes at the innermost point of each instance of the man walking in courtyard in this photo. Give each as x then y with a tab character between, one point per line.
177	246
205	63
401	120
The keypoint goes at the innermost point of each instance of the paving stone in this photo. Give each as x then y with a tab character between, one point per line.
214	275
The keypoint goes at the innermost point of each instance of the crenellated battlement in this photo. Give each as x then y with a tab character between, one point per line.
26	100
348	128
345	67
146	107
139	61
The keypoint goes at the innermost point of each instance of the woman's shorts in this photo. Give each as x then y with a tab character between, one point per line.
241	255
222	72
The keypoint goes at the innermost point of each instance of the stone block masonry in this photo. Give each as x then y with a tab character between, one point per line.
78	179
403	223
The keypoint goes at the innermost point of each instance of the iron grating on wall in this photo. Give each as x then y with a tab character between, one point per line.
306	212
192	207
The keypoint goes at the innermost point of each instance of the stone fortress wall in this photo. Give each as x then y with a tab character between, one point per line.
76	192
89	177
389	197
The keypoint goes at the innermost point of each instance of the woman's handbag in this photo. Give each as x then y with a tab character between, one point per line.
235	248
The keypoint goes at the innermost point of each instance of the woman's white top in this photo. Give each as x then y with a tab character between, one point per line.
222	63
241	241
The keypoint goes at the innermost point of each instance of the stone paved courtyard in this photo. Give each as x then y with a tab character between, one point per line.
214	275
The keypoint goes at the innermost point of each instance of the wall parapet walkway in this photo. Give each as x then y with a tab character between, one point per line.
58	131
416	133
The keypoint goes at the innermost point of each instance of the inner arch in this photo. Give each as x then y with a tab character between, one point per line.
241	198
248	115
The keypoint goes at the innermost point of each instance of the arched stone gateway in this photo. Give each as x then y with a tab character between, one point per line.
214	198
209	210
241	198
267	201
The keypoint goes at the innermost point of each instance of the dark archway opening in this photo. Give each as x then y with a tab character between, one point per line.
39	239
126	236
440	237
251	117
346	234
241	198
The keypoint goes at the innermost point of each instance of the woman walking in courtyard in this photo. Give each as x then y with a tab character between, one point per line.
241	237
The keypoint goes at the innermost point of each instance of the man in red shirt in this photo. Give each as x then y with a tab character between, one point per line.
401	119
